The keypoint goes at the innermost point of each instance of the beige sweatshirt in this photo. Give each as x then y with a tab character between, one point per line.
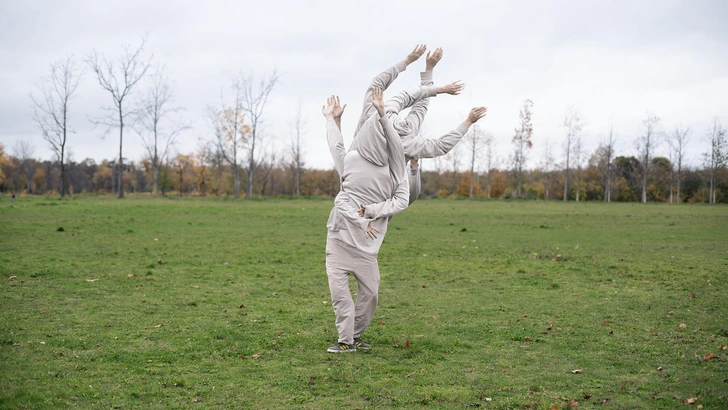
363	182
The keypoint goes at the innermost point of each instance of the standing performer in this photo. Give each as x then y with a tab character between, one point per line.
353	242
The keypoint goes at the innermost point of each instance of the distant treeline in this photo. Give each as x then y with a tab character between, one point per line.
188	175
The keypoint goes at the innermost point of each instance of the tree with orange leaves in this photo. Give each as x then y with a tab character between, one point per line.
522	143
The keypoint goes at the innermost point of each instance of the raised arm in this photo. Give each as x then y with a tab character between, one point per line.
430	148
333	134
400	197
384	80
395	150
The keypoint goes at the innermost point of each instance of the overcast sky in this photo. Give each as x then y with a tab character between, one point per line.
613	61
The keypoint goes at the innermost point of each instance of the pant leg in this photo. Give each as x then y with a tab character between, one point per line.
367	277
339	262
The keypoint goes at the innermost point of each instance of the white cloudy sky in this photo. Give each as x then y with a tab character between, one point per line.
611	60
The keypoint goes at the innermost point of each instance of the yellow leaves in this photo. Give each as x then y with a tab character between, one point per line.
230	125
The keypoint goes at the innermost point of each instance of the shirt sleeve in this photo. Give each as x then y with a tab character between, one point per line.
336	146
414	184
394	205
416	116
383	81
407	98
435	147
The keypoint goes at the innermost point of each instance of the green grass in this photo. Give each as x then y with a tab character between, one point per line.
214	303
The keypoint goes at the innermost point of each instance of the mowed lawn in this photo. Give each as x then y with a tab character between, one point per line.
223	303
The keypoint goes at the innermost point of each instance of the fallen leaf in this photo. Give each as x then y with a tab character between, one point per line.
406	344
722	347
606	324
159	325
692	296
256	356
242	357
149	361
424	286
624	386
553	407
659	368
700	406
551	326
683	325
528	339
574	404
604	401
708	357
91	280
690	400
525	315
156	239
577	371
587	396
13	277
488	399
159	261
527	406
196	399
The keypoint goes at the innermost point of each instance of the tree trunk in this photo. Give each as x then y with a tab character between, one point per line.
120	176
297	177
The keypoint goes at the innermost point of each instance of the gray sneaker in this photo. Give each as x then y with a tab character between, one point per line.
360	344
341	348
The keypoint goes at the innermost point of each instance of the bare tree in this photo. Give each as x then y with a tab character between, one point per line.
578	152
608	146
154	123
574	125
547	163
23	151
678	142
490	157
255	95
119	77
474	142
715	158
50	109
455	161
296	148
522	143
231	132
646	145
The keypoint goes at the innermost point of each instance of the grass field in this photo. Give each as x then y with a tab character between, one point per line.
214	303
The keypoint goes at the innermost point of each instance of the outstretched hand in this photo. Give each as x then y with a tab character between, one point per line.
378	100
371	232
475	114
454	88
415	54
328	109
338	108
432	59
